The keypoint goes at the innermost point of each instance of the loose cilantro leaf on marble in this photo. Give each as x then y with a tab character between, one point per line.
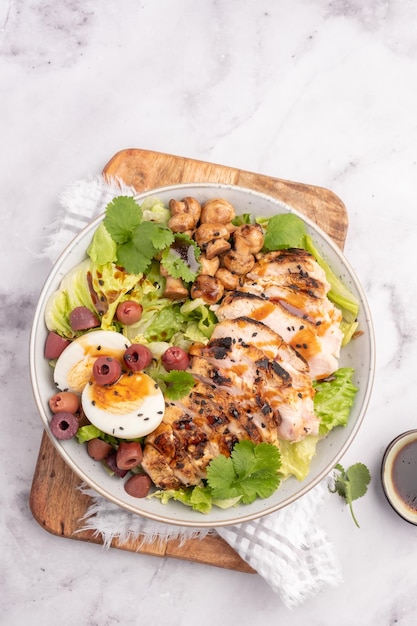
351	484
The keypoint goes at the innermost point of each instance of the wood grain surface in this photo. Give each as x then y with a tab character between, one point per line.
55	500
146	170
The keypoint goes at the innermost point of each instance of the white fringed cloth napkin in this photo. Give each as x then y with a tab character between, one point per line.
287	548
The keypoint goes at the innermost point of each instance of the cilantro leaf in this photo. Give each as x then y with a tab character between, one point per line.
181	259
153	236
176	384
221	478
137	242
122	217
351	484
133	260
250	472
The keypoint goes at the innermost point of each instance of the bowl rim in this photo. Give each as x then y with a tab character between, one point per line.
198	522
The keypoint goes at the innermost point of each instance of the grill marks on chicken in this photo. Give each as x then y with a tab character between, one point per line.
287	291
242	392
254	377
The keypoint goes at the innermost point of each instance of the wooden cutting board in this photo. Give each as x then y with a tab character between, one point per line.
55	501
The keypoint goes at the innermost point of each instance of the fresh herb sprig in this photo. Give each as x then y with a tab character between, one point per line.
139	241
351	484
250	472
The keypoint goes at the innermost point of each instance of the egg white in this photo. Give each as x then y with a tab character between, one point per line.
129	408
74	366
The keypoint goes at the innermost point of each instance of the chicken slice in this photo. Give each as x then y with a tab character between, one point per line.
318	344
280	406
157	467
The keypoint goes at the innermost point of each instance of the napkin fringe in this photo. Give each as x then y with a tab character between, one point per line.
116	523
79	204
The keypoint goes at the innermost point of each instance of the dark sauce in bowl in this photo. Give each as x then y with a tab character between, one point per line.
404	474
399	475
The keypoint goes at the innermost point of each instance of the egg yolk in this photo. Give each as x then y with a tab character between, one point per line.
124	395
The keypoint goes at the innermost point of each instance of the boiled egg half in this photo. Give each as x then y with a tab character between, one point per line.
75	364
131	407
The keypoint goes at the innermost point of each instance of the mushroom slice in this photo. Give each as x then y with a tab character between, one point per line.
208	288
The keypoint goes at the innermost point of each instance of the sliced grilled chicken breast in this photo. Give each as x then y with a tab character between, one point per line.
254	378
241	392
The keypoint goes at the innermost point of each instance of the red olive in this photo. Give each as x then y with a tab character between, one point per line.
138	485
175	358
81	318
137	357
64	401
106	370
110	461
98	449
55	345
64	425
129	312
129	454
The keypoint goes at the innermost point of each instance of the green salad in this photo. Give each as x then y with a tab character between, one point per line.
131	254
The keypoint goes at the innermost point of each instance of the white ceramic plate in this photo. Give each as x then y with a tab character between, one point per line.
359	354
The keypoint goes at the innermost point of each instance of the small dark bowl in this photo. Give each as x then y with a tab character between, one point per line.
399	475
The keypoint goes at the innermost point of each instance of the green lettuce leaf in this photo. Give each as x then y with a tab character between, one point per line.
198	498
296	457
153	210
339	294
200	320
334	398
73	291
102	249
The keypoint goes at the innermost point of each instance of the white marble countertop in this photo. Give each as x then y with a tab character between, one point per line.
315	91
